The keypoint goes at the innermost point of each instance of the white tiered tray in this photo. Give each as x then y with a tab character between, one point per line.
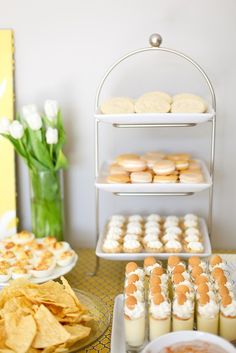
144	254
102	184
155	118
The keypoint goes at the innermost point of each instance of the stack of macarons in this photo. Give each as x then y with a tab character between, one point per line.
155	102
153	234
155	167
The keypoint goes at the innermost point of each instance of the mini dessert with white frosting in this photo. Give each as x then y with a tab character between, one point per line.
134	228
134	321
173	246
159	316
130	236
207	314
150	237
190	217
115	231
191	231
149	264
151	224
172	219
135	218
228	317
152	230
169	237
154	218
174	230
190	223
132	246
182	316
194	247
118	218
191	237
111	246
154	246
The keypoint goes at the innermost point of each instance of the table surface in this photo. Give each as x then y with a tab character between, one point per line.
107	284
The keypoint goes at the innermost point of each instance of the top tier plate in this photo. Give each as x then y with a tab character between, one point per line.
155	118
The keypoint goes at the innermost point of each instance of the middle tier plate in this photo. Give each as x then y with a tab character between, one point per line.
102	184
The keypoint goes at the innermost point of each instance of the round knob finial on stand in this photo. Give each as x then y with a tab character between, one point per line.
155	40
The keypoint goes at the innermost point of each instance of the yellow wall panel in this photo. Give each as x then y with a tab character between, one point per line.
7	162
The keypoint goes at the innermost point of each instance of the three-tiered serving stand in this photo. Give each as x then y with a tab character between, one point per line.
156	120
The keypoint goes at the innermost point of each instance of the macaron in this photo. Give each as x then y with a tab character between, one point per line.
133	164
181	164
118	179
117	169
179	157
126	156
191	178
165	179
141	177
164	167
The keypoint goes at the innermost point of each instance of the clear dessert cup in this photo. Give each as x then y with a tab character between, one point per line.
158	327
228	327
182	324
208	324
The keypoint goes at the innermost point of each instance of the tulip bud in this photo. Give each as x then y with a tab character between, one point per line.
4	125
34	121
51	109
16	130
29	110
51	136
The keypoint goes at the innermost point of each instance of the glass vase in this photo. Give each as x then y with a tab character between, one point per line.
47	206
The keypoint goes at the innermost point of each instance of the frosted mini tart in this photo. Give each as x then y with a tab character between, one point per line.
132	246
111	246
194	247
154	246
130	236
154	217
173	246
164	167
23	237
150	237
135	218
134	228
66	258
118	105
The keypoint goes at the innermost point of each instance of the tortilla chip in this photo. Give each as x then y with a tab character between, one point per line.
49	331
77	332
20	332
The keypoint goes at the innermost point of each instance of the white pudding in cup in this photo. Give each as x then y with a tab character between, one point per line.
134	322
207	314
182	316
159	316
228	318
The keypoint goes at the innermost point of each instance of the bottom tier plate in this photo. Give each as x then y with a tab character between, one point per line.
142	255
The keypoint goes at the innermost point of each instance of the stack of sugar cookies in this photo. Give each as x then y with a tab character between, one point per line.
153	234
180	297
155	167
155	102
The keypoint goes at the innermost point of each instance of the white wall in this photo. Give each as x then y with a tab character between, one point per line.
62	50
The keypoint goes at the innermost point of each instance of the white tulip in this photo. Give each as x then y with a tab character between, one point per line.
51	109
34	121
4	125
51	136
29	110
16	130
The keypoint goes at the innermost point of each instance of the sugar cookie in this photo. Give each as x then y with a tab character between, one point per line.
188	105
118	105
141	177
158	95
124	156
151	104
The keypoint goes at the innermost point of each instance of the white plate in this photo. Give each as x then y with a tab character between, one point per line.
102	184
57	272
155	118
143	255
185	336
